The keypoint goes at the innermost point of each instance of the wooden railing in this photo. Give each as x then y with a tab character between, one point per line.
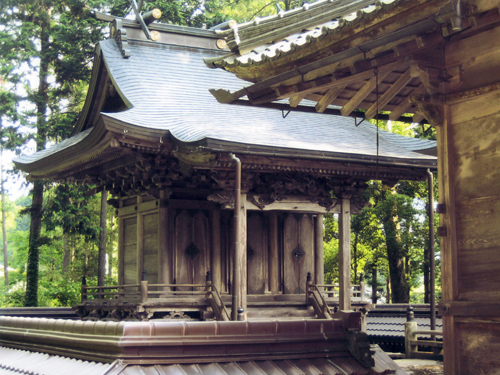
144	293
316	299
412	342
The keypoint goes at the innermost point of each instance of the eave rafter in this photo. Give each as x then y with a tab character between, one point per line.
412	65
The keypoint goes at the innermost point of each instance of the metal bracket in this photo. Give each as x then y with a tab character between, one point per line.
358	123
283	113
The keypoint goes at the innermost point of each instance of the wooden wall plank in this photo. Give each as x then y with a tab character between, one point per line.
478	156
216	266
480	345
298	236
257	252
130	250
477	108
274	265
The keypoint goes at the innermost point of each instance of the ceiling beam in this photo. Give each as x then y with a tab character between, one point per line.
328	98
405	104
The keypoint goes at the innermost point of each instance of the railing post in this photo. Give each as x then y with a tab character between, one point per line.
208	282
144	287
410	327
362	287
84	289
241	314
308	286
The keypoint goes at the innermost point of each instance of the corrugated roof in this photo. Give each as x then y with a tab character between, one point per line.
168	89
279	35
14	361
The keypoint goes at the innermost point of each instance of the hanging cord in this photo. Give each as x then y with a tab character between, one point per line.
376	93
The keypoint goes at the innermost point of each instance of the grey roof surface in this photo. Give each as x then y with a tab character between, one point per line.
394	326
167	87
14	361
314	21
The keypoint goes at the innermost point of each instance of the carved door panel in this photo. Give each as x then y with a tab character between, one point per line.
298	252
130	251
257	250
191	247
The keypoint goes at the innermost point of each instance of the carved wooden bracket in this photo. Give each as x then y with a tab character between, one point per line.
225	198
430	106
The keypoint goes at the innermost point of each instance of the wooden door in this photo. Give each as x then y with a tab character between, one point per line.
257	250
298	253
191	247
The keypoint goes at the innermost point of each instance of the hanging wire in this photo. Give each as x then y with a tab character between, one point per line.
376	93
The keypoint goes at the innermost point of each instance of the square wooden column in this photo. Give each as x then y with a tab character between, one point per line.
319	268
345	253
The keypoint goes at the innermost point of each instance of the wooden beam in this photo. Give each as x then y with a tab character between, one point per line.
405	104
328	98
390	93
163	248
216	250
274	266
295	100
345	255
140	241
294	203
362	93
319	271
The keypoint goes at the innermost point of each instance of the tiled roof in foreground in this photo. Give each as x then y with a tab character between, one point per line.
272	37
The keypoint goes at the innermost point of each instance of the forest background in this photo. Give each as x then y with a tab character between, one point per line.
52	237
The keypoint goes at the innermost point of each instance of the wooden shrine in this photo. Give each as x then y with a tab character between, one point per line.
414	60
201	188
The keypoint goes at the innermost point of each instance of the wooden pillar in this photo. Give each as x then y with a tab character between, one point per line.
345	254
319	269
216	251
274	267
121	251
140	241
164	262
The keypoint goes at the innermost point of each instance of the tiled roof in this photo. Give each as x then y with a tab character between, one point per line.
272	37
394	326
13	361
168	90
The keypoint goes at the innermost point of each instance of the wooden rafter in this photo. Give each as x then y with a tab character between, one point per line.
362	93
405	104
389	94
328	98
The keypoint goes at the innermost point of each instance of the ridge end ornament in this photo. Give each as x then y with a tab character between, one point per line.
119	34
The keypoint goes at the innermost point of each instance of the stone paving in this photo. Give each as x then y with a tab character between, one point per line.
421	366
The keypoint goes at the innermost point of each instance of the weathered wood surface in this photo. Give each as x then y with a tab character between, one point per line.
298	252
345	255
150	247
192	245
257	253
130	250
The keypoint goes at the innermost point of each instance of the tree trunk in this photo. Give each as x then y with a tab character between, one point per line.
355	259
4	224
34	245
101	266
374	285
399	286
37	198
66	254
